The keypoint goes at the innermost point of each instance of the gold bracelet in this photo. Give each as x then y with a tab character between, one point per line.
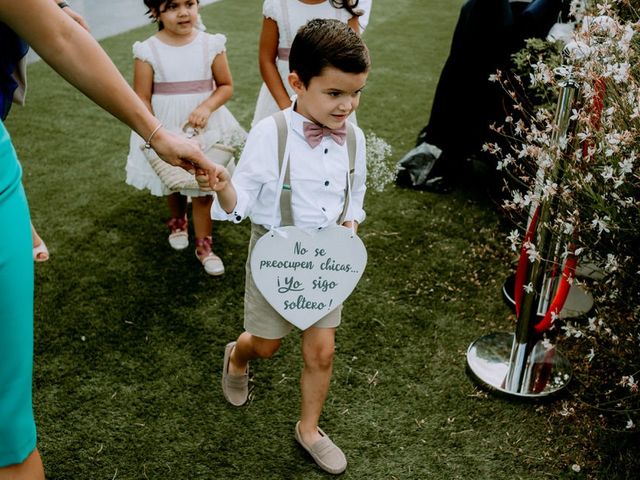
147	144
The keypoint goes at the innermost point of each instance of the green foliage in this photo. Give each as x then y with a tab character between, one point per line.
130	334
536	50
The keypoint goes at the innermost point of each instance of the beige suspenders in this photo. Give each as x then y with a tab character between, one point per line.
285	194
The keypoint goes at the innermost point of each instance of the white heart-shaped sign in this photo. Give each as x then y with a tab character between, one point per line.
304	274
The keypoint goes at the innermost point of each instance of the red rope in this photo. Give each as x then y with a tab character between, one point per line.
570	265
523	261
561	295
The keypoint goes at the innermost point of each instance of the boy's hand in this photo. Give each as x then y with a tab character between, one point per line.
351	224
200	117
220	178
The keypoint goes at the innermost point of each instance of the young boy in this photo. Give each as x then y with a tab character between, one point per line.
329	66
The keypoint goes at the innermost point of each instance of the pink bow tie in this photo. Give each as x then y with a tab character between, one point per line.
313	133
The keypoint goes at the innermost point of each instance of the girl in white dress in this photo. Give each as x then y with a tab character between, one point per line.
182	74
363	21
282	19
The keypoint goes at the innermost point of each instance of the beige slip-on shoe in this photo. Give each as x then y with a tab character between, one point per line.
234	387
324	452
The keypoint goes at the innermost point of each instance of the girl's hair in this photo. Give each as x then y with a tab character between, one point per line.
349	5
154	9
322	43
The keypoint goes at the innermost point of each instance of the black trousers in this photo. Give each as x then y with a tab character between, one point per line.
465	103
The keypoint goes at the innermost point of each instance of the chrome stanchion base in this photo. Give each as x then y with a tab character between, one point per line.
579	302
547	372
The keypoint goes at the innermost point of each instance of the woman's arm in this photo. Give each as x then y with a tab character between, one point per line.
77	57
223	92
269	38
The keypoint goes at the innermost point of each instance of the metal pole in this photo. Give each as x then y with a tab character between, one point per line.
517	364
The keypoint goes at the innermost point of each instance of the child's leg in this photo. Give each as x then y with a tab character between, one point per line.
201	213
178	234
317	352
249	347
177	205
202	223
235	370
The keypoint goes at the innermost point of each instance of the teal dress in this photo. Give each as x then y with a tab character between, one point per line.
17	426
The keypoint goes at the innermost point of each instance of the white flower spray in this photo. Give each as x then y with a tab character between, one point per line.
380	172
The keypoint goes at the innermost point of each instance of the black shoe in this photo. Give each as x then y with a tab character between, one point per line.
445	175
439	184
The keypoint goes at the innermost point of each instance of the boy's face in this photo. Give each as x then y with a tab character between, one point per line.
330	97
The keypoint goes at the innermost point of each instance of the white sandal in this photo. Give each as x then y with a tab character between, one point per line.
210	261
179	236
41	252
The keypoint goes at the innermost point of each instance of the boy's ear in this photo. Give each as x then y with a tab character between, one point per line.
295	82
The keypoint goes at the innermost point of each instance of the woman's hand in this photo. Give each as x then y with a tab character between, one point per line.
74	15
187	154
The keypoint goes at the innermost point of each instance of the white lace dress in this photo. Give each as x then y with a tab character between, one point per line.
182	80
290	15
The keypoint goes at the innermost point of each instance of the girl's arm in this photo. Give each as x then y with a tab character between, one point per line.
354	24
224	89
143	81
78	58
269	38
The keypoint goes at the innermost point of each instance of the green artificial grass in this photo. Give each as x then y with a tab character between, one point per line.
130	334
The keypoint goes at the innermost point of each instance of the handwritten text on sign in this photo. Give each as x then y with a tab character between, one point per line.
304	275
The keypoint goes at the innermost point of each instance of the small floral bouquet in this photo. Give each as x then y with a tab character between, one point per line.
380	172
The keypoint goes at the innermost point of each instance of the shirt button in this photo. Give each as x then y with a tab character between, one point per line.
238	218
326	183
324	209
326	150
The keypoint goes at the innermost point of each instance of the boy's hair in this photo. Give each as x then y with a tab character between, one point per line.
154	8
324	43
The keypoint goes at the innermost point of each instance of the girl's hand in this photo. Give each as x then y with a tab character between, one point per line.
200	117
76	17
186	154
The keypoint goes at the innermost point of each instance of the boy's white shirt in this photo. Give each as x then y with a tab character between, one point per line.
318	179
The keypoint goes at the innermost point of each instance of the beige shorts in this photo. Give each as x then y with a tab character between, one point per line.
260	318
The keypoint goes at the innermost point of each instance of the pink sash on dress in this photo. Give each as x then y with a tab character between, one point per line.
283	53
178	88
